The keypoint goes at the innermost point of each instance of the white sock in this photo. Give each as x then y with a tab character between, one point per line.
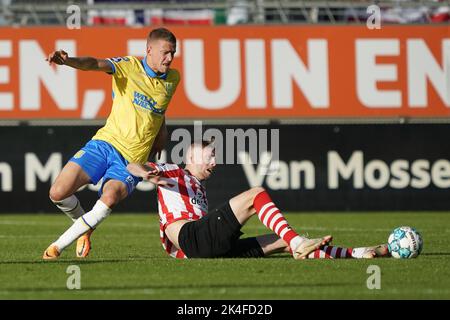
83	224
70	206
98	213
357	253
78	228
296	241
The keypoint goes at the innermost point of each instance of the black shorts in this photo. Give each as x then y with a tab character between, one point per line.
217	235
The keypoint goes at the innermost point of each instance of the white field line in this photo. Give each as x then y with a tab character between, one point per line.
307	228
57	224
43	236
223	291
29	223
153	224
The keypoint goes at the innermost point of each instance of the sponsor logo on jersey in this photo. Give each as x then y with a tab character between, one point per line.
200	200
147	103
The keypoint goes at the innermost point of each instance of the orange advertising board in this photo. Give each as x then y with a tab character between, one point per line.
240	72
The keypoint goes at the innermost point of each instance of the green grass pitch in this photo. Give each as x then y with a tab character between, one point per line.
128	262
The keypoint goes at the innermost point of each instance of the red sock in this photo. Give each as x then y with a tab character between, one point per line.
330	252
273	219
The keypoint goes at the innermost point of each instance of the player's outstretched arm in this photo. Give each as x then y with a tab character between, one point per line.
146	171
61	57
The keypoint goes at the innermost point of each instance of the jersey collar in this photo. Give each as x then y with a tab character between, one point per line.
150	72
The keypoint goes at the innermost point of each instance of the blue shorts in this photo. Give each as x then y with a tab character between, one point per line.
99	160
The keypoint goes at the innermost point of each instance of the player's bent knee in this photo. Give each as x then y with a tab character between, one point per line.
57	193
111	198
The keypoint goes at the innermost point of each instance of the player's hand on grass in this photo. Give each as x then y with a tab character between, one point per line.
57	57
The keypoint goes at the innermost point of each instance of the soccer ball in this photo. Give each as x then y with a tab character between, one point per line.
405	243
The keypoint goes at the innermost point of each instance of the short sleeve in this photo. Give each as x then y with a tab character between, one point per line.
120	65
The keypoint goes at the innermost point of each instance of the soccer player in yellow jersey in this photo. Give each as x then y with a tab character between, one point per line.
142	90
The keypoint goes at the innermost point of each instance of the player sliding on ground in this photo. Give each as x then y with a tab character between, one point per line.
189	230
142	90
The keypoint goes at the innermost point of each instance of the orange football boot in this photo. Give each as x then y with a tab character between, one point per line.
84	244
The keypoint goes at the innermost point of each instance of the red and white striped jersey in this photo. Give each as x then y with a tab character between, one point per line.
183	198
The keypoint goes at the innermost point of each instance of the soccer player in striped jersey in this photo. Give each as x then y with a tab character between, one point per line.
189	230
135	128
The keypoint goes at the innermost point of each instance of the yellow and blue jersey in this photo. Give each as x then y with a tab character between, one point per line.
140	100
